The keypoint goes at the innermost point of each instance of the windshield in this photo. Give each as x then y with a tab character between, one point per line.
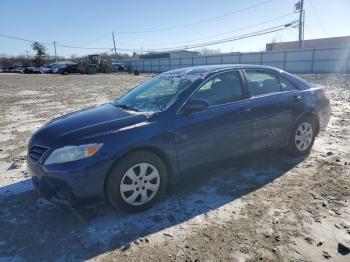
157	93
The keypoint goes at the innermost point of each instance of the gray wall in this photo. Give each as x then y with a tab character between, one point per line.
317	60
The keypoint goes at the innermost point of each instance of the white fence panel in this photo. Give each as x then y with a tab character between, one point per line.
213	60
329	66
299	55
273	57
279	65
231	59
297	60
298	66
201	60
186	62
251	58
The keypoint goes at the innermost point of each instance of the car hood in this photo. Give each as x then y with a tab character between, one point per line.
86	123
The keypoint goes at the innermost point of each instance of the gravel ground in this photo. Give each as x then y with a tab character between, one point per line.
262	207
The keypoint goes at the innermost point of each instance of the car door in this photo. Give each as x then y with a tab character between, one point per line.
274	109
220	131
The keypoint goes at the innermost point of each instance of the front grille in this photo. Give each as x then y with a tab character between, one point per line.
36	152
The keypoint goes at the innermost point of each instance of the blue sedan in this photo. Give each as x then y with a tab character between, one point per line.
128	150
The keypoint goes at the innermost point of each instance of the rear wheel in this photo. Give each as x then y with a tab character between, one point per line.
136	182
302	137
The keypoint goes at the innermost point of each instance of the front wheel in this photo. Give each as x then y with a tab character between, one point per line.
136	182
302	137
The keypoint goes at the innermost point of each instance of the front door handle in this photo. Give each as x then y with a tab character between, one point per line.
297	98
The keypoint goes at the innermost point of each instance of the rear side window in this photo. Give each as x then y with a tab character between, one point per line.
286	85
260	83
221	89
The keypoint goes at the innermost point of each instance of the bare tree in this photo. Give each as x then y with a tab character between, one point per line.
12	61
41	55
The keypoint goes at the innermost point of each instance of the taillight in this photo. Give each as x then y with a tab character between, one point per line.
326	94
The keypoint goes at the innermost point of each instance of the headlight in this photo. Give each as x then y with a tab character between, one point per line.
72	153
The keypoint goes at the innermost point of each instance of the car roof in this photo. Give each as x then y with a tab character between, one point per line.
217	68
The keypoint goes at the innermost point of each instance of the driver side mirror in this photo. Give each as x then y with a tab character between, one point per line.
194	105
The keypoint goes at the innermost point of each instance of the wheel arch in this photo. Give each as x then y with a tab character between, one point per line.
313	116
158	152
305	115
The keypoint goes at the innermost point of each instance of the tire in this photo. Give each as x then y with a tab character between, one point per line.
107	70
302	139
127	186
91	70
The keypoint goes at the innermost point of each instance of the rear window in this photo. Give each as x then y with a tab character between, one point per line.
261	82
286	85
301	83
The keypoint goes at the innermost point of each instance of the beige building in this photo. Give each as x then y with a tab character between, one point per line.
341	41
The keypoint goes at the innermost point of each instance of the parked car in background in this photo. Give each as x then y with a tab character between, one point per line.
19	70
46	69
7	69
32	70
69	69
128	150
56	68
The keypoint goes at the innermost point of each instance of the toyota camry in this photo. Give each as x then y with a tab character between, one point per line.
128	150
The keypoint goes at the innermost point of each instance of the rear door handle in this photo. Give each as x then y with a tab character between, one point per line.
297	98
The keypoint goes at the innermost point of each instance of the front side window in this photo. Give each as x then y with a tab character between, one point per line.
221	89
157	93
260	83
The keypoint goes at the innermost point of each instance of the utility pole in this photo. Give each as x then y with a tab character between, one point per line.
54	44
115	50
301	22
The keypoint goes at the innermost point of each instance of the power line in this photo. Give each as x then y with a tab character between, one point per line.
56	44
51	44
220	41
318	18
215	35
86	48
197	22
309	31
22	39
230	39
147	31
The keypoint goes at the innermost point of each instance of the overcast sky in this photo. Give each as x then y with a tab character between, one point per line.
88	23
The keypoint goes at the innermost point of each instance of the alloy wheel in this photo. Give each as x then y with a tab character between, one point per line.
303	136
139	184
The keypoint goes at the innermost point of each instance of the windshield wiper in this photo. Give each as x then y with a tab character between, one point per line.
126	107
